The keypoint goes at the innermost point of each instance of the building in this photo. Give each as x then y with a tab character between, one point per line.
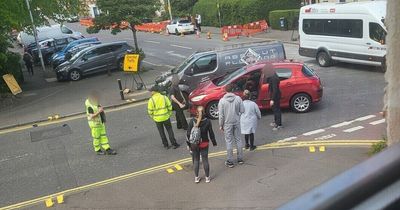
307	2
91	8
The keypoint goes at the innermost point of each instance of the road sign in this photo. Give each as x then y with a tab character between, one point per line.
131	62
12	84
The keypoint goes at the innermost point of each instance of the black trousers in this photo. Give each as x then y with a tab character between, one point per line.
168	126
180	119
250	137
196	152
29	67
276	108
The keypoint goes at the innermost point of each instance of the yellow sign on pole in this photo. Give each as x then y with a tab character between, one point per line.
131	62
12	84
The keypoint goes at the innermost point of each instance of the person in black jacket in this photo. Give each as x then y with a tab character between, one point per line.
207	134
274	93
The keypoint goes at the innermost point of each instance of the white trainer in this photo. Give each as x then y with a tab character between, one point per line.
197	179
208	179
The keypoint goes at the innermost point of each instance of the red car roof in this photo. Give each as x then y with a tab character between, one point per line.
261	64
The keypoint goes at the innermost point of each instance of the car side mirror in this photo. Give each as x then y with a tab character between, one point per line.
190	71
84	59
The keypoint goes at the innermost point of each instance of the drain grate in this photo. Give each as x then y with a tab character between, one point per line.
50	133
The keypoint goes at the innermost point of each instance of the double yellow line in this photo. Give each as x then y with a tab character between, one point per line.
299	144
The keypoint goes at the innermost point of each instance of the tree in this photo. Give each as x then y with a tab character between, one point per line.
115	12
181	8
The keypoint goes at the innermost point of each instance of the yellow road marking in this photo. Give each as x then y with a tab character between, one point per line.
322	148
178	167
60	199
49	202
170	170
66	119
165	166
311	149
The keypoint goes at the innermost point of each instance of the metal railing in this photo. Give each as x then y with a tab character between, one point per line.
372	184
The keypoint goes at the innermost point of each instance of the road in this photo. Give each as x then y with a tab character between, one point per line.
31	167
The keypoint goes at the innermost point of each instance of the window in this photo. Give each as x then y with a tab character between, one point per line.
205	64
115	47
377	33
334	27
284	73
61	41
307	71
103	50
248	81
65	30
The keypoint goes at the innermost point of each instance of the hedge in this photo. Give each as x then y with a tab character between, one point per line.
239	11
10	64
291	15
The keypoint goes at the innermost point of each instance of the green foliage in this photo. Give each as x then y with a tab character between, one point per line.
180	8
116	11
377	147
291	16
235	12
10	64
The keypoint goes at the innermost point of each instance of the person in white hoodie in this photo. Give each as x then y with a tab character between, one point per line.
230	107
249	120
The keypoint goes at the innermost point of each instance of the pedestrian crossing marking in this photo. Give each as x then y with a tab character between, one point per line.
178	167
170	170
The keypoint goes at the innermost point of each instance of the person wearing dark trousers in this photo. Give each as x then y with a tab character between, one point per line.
28	60
275	97
178	104
249	120
201	149
159	109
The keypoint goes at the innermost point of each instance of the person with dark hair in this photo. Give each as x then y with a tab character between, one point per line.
178	104
28	60
159	109
230	107
201	149
248	120
275	97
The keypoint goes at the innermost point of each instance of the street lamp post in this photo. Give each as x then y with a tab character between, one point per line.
169	10
219	14
35	35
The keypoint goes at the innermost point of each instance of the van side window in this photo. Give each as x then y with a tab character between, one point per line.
376	32
205	64
65	30
334	27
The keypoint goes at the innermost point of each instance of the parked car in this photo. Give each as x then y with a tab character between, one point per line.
71	52
180	26
47	32
99	58
62	52
204	66
300	87
49	47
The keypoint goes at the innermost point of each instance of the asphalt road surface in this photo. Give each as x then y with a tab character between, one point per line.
34	164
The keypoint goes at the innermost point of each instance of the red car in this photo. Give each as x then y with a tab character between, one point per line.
300	87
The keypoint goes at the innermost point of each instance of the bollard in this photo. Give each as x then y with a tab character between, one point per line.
121	91
208	35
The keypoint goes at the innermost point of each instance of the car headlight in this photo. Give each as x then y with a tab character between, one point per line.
198	98
63	69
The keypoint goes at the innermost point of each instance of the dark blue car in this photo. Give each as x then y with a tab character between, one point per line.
61	53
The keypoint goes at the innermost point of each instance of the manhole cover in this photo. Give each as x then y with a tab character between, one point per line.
50	133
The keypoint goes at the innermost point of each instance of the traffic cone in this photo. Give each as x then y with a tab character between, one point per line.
208	35
225	37
182	35
197	34
166	32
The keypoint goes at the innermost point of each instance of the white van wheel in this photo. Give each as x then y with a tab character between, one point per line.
323	59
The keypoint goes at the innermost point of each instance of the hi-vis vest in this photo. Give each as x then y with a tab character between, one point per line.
95	121
159	107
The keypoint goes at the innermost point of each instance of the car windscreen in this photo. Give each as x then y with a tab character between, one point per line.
184	21
182	66
229	77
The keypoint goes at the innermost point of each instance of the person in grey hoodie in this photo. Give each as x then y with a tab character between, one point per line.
230	107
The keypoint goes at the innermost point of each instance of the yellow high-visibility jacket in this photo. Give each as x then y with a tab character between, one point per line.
159	107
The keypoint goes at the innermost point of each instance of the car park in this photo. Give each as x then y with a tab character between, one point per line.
178	26
49	47
95	59
72	44
207	65
71	52
300	87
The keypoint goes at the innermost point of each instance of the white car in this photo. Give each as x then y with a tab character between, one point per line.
180	26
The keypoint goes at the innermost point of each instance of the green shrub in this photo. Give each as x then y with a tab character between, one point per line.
377	147
10	64
291	16
234	12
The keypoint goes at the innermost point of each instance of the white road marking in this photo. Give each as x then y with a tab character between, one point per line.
154	42
16	157
174	45
377	122
365	118
159	65
341	124
52	79
353	129
313	132
176	54
326	137
287	139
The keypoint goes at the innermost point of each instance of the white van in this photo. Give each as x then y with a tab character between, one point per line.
346	32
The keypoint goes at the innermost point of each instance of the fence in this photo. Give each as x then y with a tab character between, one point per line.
246	29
